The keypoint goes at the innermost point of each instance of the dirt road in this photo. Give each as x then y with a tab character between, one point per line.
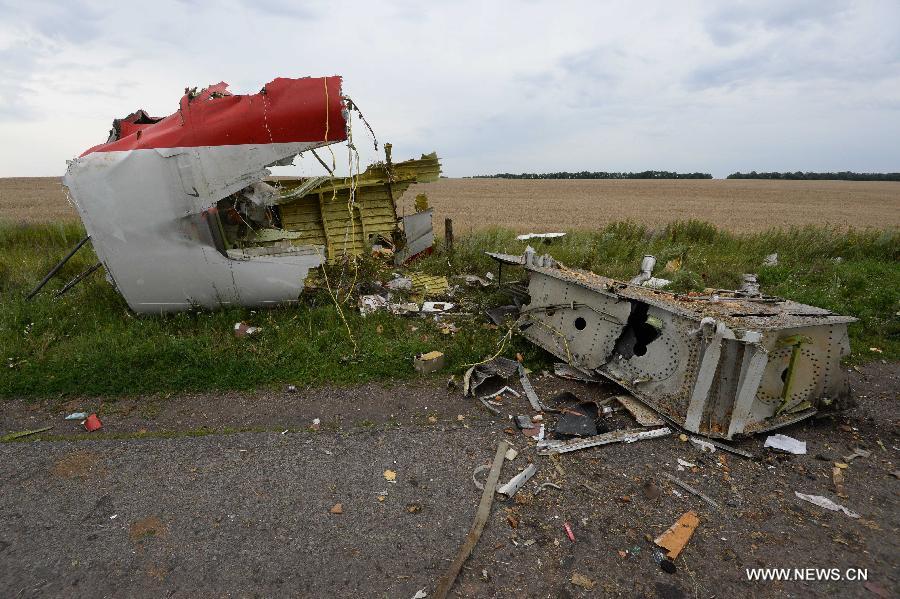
195	509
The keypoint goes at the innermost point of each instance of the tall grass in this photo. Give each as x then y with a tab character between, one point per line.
88	342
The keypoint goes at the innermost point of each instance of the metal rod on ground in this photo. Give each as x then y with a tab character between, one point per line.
56	268
448	234
77	280
484	510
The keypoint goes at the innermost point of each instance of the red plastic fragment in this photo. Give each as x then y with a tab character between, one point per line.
92	423
569	532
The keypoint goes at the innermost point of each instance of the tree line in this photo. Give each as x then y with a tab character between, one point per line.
809	176
597	175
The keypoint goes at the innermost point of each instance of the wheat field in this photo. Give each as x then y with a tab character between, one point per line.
545	205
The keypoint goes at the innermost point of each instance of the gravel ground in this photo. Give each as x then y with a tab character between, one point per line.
185	507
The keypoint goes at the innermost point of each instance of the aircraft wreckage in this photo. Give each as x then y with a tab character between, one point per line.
717	364
181	214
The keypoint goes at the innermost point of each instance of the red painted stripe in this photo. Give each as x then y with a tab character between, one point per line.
285	111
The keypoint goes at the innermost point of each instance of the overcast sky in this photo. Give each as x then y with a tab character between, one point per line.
492	86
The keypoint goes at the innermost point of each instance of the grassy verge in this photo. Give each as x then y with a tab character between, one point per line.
89	343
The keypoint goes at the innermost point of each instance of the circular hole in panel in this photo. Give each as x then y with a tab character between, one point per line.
580	323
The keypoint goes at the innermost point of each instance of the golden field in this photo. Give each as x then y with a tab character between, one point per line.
545	205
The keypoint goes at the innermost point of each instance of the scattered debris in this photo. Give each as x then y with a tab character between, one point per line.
677	536
476	281
685	464
420	594
567	371
690	489
644	415
569	533
390	476
787	444
400	284
545	236
771	260
77	416
429	362
20	434
337	508
621	436
710	445
511	454
92	423
826	503
543	486
496	367
291	389
242	329
481	517
580	580
516	482
645	278
837	477
489	407
857	453
371	303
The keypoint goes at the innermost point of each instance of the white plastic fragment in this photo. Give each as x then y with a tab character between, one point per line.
826	503
785	443
682	464
420	594
516	482
77	416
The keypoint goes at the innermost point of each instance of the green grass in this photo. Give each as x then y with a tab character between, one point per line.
89	343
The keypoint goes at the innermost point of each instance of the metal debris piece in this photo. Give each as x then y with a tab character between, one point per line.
771	260
429	284
826	503
567	371
703	445
481	517
857	453
489	407
529	390
511	454
543	486
369	304
787	444
690	489
545	236
400	283
475	281
644	415
20	434
499	314
516	482
577	421
432	307
623	436
685	464
502	391
718	368
428	362
677	536
710	445
496	367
